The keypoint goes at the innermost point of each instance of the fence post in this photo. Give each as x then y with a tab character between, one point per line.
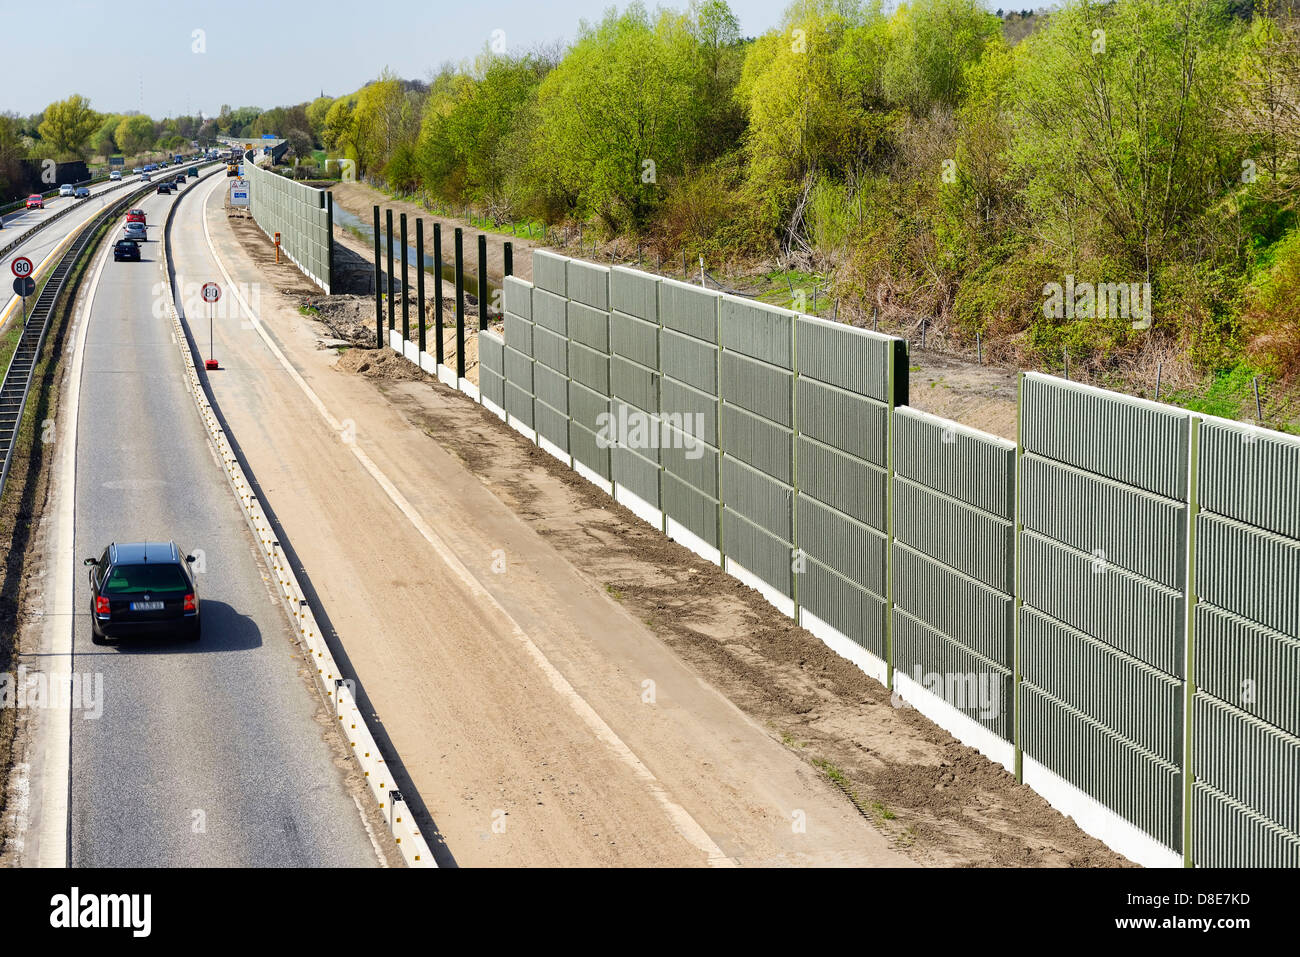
379	300
406	279
460	307
439	350
419	283
389	221
482	283
510	259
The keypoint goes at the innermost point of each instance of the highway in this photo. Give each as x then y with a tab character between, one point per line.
215	754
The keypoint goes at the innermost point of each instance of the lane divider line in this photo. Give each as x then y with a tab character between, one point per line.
681	819
401	823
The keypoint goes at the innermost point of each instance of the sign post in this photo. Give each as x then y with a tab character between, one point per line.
24	284
211	294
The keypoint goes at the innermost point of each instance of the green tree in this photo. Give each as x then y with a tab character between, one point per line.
68	125
134	134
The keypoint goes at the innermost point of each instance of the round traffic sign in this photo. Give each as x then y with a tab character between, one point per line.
22	266
24	286
211	292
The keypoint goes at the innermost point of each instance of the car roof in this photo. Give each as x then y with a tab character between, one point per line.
138	553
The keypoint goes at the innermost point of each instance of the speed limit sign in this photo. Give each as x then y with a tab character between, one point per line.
22	266
211	292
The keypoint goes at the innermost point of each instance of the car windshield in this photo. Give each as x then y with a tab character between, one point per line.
154	578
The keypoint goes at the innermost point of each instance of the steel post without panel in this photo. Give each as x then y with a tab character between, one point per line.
389	290
379	295
406	279
460	306
482	282
437	292
419	279
510	259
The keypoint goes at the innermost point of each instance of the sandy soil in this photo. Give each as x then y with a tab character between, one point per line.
932	800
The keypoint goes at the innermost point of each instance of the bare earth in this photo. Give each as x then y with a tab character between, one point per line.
751	711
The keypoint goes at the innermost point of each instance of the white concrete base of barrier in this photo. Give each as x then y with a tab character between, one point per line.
781	603
395	341
639	507
961	726
525	431
428	364
470	389
594	477
495	409
682	535
447	377
412	352
1096	819
844	646
547	445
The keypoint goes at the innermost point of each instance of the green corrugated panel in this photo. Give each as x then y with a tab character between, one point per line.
852	611
519	370
549	272
1133	783
759	552
589	326
589	367
975	686
846	420
1131	613
517	297
1253	573
842	481
550	311
1134	700
963	463
1226	833
589	409
519	404
1144	533
689	409
764	501
493	386
552	424
638	475
691	507
551	350
491	352
1132	441
635	339
853	359
634	383
551	387
1247	759
519	334
758	387
1249	666
963	609
587	448
637	430
588	283
856	551
1251	476
758	330
689	309
634	293
696	464
961	536
689	360
763	444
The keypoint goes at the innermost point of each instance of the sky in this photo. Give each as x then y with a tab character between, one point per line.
145	55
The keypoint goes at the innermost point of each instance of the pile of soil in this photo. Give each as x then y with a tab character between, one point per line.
379	364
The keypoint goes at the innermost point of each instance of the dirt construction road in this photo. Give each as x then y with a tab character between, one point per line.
538	720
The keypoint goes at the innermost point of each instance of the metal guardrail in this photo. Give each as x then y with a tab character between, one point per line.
22	365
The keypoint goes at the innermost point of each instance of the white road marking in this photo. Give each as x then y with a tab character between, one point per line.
681	819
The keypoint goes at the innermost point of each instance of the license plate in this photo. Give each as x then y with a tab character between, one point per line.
146	606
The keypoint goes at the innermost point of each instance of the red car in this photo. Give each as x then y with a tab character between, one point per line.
36	201
135	216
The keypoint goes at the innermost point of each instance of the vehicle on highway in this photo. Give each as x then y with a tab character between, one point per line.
136	231
164	164
67	189
137	171
135	216
166	187
128	249
142	588
83	192
115	175
36	201
194	172
145	178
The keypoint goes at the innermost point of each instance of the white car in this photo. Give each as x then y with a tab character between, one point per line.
136	231
137	171
115	175
144	178
67	189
